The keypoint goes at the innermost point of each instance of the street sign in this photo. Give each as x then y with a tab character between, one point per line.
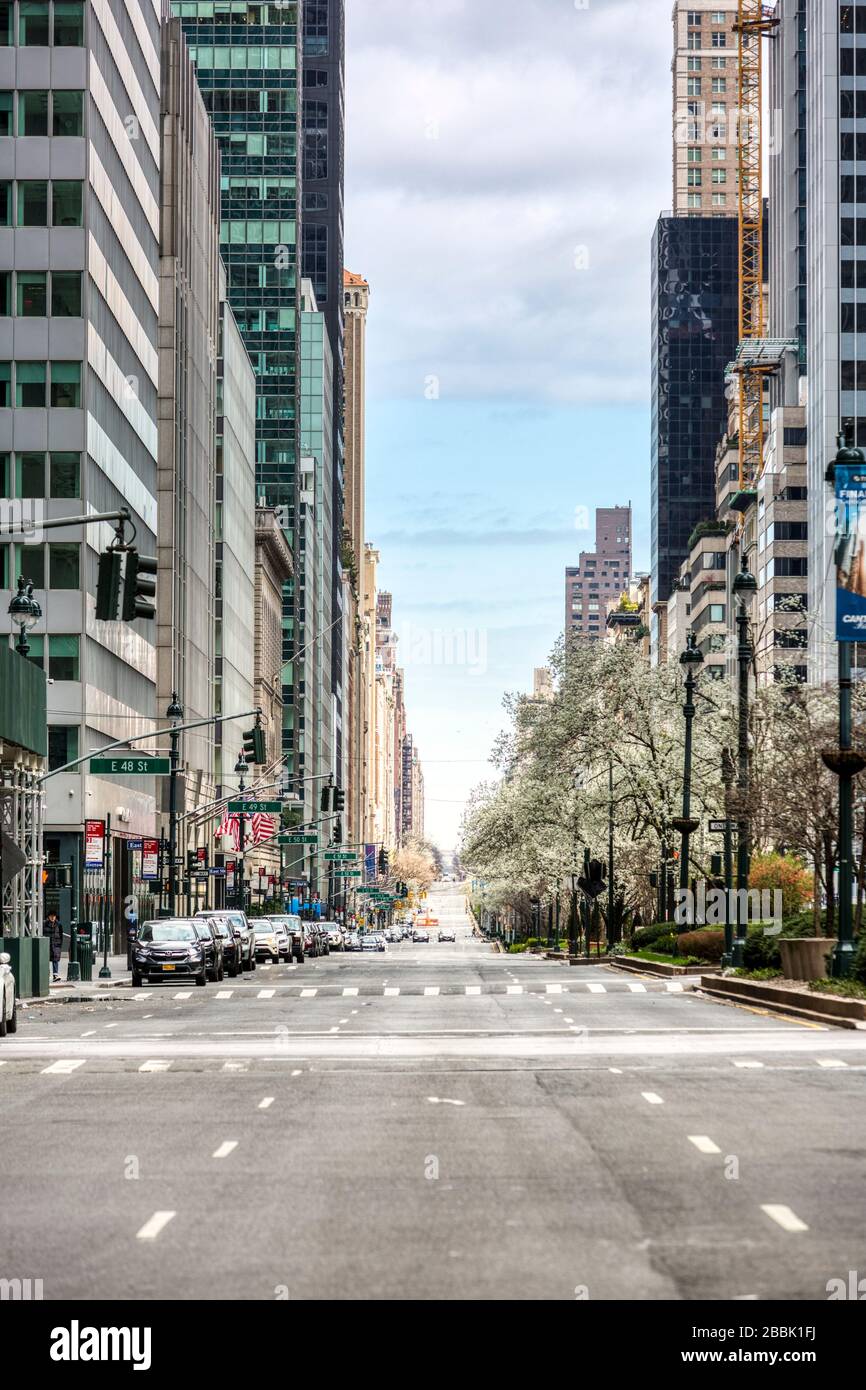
299	839
150	859
718	827
94	844
334	856
254	808
347	873
131	767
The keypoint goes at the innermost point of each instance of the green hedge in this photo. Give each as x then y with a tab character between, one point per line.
707	945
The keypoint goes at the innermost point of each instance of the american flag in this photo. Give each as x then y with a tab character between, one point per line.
230	825
263	828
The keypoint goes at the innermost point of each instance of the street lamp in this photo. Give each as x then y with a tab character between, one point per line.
175	714
691	661
744	587
846	762
240	772
25	613
729	774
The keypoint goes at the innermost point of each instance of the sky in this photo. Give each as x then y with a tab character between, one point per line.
506	161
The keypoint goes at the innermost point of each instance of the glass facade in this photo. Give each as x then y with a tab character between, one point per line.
694	329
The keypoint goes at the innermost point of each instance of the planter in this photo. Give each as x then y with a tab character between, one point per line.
805	957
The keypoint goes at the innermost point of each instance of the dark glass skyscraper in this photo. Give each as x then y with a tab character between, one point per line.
694	331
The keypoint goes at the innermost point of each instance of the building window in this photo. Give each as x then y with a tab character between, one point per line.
718	64
66	293
64	565
5	203
65	475
694	154
693	86
32	113
67	113
694	19
62	746
33	24
63	658
66	384
67	204
720	176
717	612
30	475
5	384
32	290
5	293
6	114
31	564
694	200
69	24
694	178
720	86
719	39
30	384
693	64
717	154
33	203
719	200
718	17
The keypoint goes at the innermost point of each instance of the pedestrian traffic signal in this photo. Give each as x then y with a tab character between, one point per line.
339	799
108	586
254	745
139	587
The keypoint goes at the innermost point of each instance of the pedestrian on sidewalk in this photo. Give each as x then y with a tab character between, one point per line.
53	929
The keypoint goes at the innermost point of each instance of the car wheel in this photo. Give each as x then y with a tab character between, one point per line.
234	971
12	1024
300	958
202	978
222	973
3	1014
136	980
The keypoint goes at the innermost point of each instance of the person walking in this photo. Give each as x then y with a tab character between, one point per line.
53	929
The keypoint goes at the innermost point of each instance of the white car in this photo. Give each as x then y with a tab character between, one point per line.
8	1001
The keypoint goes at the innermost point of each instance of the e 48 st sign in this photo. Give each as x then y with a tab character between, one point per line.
131	767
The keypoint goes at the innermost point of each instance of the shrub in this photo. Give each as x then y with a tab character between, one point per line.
706	945
786	873
761	952
858	967
516	948
647	936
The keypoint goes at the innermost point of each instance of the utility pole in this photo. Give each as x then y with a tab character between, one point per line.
744	586
175	714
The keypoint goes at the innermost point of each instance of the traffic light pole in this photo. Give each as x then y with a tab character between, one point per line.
175	713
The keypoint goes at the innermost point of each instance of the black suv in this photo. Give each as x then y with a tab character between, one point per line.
232	945
208	934
240	926
169	949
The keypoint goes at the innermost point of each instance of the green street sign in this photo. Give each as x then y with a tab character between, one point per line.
254	808
340	857
297	839
131	767
347	873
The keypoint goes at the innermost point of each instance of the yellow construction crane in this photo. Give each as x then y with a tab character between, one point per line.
755	19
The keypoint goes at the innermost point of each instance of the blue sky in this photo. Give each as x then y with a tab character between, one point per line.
502	184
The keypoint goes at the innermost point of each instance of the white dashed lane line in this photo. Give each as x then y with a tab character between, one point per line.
831	1062
227	1147
744	1063
636	988
349	993
652	1098
266	993
704	1144
597	989
63	1067
155	1065
784	1217
266	1103
431	989
309	993
151	1229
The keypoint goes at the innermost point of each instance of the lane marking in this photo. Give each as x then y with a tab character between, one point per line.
652	1098
703	1144
673	987
514	989
151	1229
266	1103
444	1100
155	1065
111	1025
90	1034
617	1071
309	993
63	1067
636	988
784	1217
224	993
142	996
227	1147
831	1062
553	989
236	1066
184	994
741	1063
349	993
431	989
473	989
297	1072
597	989
266	994
392	992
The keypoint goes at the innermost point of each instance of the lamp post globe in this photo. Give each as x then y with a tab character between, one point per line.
25	613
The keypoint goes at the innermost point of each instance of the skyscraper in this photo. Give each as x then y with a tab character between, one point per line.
356	297
704	71
601	576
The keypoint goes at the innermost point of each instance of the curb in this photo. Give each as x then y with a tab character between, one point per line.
837	1012
635	966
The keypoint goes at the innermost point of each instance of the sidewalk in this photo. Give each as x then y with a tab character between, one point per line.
70	991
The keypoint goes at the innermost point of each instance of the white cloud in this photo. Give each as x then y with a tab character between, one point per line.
506	162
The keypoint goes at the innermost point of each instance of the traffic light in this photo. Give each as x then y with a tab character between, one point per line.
139	587
339	799
254	745
325	803
593	881
109	585
383	862
337	836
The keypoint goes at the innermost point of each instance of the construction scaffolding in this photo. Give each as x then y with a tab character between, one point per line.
21	809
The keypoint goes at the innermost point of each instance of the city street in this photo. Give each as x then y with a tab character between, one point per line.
437	1121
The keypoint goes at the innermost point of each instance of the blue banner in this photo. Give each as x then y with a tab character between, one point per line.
850	553
369	863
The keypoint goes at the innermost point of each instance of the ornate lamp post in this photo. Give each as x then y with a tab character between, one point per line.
744	587
25	613
691	662
846	762
241	769
729	773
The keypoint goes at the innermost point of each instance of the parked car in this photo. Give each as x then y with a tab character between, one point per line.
232	945
8	997
240	924
284	941
351	941
446	935
334	934
267	945
208	934
369	942
169	949
295	928
379	938
324	946
420	934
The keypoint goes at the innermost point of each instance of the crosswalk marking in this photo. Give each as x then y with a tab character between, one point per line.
473	989
349	993
266	1103
597	989
184	994
553	989
674	987
743	1062
266	993
514	989
831	1062
224	993
227	1147
652	1098
309	993
636	988
151	1229
431	989
63	1067
392	991
704	1144
784	1217
155	1066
